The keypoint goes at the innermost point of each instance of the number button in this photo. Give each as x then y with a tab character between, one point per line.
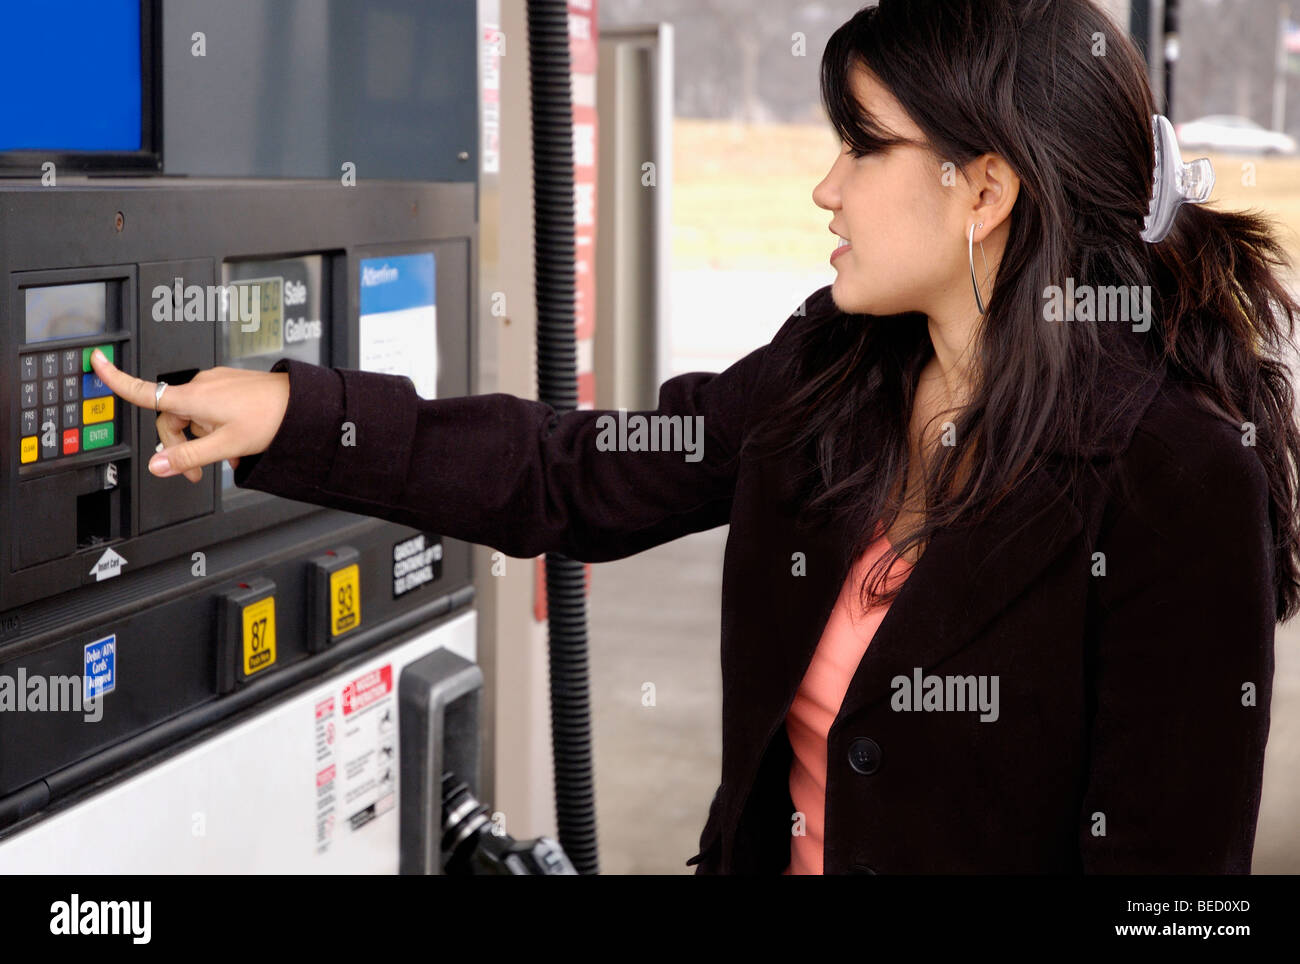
28	367
50	365
49	433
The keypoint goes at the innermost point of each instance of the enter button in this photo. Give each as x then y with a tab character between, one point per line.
96	436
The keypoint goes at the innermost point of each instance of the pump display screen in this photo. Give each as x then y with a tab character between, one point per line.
87	58
271	309
260	325
66	311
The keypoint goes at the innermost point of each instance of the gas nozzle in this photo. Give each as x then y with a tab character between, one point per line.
471	845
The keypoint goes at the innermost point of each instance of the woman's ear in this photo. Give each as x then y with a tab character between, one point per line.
992	187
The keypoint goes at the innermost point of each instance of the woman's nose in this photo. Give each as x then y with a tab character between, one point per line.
826	194
823	196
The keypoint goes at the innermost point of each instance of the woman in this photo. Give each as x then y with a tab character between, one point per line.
1000	588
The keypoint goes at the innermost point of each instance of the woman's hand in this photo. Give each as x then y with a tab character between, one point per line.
230	411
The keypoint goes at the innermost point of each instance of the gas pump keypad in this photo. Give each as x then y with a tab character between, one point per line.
59	389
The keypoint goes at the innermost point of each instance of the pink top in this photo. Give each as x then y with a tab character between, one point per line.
843	642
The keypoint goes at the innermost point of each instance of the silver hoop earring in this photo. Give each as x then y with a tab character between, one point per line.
970	251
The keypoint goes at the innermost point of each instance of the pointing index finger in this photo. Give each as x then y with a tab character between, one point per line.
135	390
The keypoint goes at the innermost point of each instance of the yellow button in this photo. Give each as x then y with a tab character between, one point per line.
29	449
259	635
345	599
97	410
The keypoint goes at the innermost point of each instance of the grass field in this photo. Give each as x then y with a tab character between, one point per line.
743	195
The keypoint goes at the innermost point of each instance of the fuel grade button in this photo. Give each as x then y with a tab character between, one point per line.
246	646
333	596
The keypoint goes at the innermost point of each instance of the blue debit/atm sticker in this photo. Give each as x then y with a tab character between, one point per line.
100	675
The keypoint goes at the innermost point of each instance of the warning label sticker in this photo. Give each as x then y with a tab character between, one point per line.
368	689
326	774
356	755
368	756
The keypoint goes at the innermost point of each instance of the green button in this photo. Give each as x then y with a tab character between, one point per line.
85	356
96	436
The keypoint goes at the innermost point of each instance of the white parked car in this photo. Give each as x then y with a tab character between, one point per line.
1232	134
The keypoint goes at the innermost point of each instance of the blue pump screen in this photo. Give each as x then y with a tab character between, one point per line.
72	77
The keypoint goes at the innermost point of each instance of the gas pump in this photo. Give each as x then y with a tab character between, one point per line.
184	610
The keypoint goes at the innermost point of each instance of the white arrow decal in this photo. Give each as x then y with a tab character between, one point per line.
109	565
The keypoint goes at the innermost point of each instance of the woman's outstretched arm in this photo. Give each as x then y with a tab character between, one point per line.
509	472
494	469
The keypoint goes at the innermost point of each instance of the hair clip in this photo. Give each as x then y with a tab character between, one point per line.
1176	182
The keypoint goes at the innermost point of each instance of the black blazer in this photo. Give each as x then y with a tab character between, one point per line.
1126	737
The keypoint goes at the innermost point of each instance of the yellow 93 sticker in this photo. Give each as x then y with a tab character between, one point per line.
345	599
259	635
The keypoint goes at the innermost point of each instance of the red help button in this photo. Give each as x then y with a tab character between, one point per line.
368	689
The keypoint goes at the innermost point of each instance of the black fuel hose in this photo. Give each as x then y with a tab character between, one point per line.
557	385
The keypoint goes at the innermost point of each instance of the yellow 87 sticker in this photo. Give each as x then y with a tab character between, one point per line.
259	635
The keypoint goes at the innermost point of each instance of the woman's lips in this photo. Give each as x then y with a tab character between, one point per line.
839	250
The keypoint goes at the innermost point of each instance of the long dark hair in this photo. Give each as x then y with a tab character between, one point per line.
1032	82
